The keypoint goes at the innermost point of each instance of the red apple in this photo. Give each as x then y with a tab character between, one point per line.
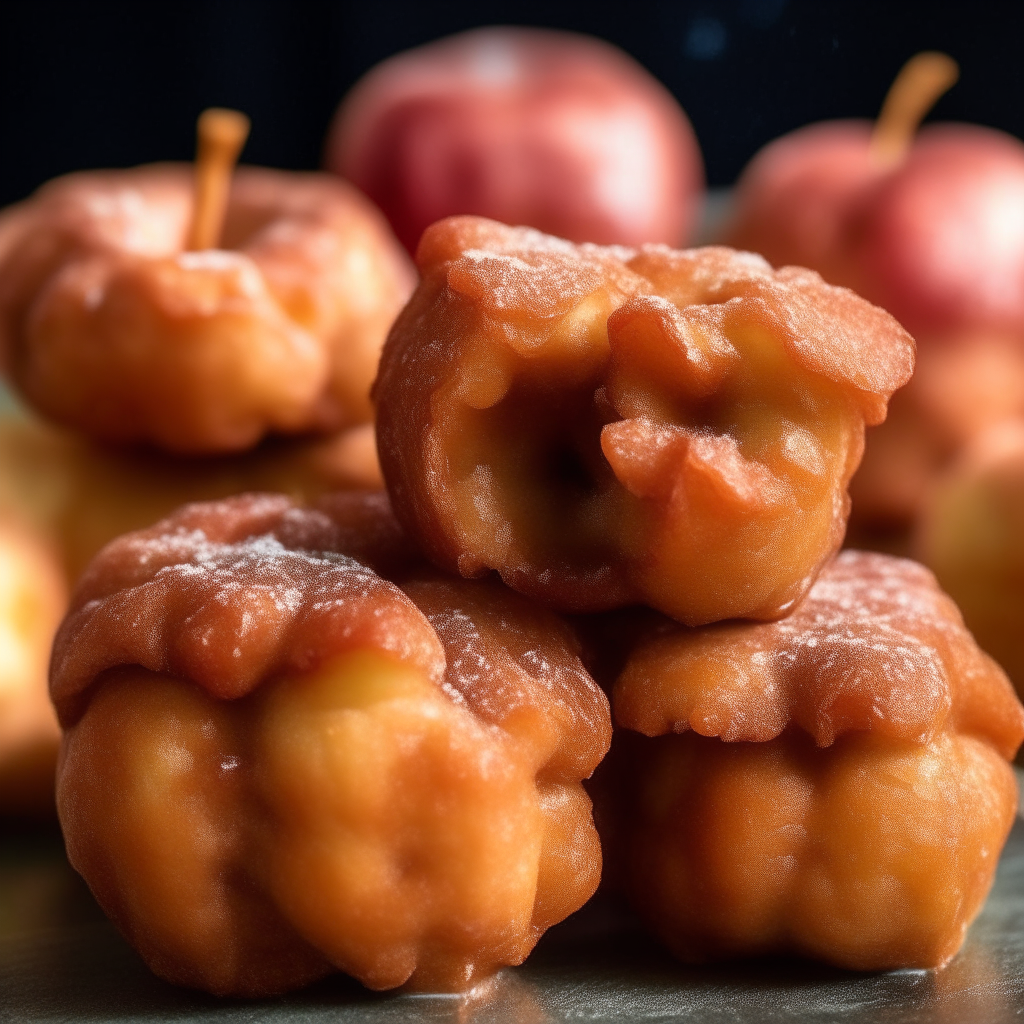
558	131
940	241
794	197
931	228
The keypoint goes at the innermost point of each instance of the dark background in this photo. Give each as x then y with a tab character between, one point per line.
104	84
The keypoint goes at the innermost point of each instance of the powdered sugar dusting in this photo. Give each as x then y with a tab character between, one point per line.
213	594
875	646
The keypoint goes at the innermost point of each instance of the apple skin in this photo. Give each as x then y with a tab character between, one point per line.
938	241
793	198
553	130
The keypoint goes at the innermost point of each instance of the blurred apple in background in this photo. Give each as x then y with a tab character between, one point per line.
929	226
794	198
939	242
961	387
558	131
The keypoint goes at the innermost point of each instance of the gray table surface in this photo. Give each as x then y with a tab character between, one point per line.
61	961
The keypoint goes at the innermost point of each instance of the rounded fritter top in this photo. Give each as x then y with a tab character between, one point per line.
604	425
876	646
233	593
109	326
230	593
277	764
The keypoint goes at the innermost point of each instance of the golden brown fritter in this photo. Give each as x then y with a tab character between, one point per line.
835	784
961	387
80	495
33	597
277	764
605	426
108	326
971	534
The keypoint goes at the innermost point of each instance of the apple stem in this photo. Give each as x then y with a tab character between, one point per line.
221	134
921	81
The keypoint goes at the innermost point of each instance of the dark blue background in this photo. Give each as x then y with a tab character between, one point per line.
103	84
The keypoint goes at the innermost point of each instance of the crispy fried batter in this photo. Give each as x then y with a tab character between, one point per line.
277	764
835	784
605	426
106	325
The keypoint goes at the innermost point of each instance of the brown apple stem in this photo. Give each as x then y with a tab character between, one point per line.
921	81
221	136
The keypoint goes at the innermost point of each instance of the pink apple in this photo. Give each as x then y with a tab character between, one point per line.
558	131
938	239
794	197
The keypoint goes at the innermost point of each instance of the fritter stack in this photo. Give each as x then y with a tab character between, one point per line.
305	739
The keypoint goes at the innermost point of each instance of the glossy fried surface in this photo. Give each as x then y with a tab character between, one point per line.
835	784
970	534
33	598
277	764
81	495
605	426
107	326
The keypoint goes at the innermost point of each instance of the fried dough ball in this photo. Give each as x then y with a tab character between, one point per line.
971	534
605	426
834	785
277	764
33	597
961	386
83	495
109	327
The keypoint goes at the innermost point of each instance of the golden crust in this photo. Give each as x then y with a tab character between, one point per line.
108	326
516	666
605	425
870	854
355	776
835	784
875	646
255	568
